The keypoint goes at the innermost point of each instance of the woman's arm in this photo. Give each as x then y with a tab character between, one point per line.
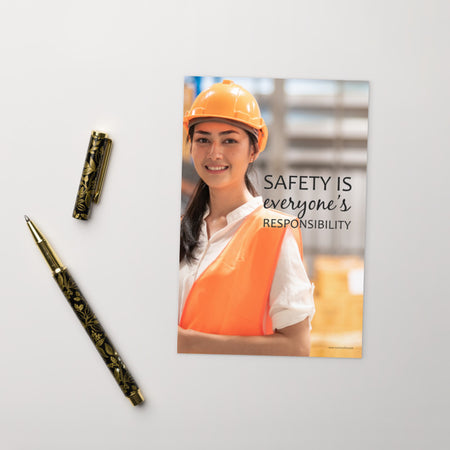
293	340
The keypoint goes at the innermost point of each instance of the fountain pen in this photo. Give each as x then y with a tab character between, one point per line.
87	318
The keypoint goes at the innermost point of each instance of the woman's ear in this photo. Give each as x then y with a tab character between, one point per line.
254	154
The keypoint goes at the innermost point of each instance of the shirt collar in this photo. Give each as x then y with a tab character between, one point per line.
241	211
244	210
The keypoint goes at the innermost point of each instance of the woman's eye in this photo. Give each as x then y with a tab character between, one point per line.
230	141
201	140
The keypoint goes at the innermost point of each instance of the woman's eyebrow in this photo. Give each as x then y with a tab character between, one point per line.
220	134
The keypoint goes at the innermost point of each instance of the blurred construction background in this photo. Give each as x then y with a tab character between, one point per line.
316	128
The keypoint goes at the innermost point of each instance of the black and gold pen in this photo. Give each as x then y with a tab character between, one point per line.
87	318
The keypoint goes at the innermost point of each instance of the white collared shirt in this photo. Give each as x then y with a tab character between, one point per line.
291	295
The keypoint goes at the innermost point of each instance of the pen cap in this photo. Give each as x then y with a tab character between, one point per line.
93	174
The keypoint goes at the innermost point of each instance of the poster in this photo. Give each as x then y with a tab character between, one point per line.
312	172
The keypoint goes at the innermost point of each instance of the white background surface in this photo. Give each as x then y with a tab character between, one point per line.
70	67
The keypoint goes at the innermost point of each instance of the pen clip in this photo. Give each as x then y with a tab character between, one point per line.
102	170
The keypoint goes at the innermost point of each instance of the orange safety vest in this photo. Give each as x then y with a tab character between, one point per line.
231	296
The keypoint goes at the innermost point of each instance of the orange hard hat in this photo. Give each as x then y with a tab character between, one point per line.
228	101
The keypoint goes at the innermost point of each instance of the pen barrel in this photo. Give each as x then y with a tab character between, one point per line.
98	336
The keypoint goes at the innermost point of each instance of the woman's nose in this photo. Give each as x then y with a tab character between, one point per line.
215	151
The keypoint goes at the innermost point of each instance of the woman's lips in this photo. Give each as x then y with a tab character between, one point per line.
216	169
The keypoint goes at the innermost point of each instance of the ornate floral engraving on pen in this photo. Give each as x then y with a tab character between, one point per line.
96	156
96	332
87	318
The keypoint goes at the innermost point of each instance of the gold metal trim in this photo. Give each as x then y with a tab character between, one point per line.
103	167
136	398
46	249
99	134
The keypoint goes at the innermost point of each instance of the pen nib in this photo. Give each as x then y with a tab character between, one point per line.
34	230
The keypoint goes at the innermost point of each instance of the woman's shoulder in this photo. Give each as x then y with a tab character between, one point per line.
274	214
274	222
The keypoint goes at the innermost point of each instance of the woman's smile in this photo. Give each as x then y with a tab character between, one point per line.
215	168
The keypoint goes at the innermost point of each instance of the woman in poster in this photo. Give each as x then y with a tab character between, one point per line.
243	286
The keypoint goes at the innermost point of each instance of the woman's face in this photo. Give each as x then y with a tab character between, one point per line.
221	154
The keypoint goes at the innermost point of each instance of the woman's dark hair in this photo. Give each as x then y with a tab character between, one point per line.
193	217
